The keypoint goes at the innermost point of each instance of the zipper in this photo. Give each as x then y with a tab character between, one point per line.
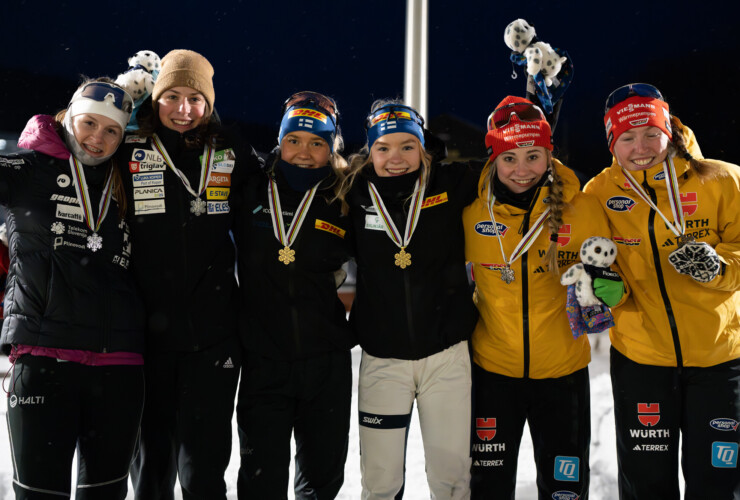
659	272
525	301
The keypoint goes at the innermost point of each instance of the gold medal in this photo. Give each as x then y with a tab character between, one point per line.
403	259
286	255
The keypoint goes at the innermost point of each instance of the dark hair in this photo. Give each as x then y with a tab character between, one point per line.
705	170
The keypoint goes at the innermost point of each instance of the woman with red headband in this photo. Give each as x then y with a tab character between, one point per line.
413	312
297	376
675	357
74	324
522	232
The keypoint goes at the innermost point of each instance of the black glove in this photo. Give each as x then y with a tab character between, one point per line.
698	260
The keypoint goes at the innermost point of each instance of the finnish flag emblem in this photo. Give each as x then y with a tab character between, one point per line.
305	122
387	125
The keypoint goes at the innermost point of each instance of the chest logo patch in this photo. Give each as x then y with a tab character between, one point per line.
620	204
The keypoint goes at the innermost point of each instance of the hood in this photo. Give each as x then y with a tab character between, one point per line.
40	135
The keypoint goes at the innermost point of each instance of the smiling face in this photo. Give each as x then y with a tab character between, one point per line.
304	150
181	108
521	169
640	148
98	135
396	154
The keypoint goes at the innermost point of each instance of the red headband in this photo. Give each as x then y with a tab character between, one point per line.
636	112
517	133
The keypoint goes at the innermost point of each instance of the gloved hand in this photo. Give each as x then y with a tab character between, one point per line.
608	285
698	260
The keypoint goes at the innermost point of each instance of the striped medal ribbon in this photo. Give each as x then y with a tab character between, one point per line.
197	205
94	241
403	258
286	255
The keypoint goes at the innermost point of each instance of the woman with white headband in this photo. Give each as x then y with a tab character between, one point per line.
413	312
74	323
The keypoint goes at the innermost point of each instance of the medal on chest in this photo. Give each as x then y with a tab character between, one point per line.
197	204
286	255
507	273
402	258
94	241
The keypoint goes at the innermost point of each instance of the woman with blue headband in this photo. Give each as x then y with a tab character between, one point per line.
413	312
74	322
297	375
675	356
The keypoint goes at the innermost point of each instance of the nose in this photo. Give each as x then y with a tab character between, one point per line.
184	106
640	144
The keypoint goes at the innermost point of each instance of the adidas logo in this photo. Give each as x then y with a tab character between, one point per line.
539	269
476	464
637	448
229	363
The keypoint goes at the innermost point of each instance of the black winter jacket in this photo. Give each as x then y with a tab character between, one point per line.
292	311
60	294
184	264
427	307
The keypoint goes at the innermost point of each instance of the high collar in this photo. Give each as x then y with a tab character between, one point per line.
40	134
397	186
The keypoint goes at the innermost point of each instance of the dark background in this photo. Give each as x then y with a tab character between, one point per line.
264	51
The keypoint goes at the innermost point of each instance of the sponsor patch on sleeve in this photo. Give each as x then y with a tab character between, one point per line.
329	228
434	200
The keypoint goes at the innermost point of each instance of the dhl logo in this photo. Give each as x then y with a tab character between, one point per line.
309	113
434	200
397	114
219	179
563	235
329	228
219	193
689	203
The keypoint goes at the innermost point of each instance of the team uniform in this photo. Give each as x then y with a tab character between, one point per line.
74	327
413	324
185	266
527	365
675	360
297	375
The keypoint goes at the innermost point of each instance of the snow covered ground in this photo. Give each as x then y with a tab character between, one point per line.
603	451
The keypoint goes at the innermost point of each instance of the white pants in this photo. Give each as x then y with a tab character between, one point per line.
441	385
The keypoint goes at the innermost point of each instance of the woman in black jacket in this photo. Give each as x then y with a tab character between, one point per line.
297	375
74	323
413	312
180	170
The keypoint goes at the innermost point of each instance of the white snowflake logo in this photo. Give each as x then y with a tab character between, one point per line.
57	228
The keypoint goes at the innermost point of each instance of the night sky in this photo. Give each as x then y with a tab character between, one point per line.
354	51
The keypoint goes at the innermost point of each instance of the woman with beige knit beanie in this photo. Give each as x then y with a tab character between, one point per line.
183	170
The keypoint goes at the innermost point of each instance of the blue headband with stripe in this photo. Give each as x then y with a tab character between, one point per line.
393	118
308	117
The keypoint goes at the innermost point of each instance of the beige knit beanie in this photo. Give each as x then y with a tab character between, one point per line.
185	68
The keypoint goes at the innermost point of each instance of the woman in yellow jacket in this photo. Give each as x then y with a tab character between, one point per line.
525	229
675	358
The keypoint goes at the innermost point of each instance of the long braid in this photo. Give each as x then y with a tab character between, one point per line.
557	206
704	170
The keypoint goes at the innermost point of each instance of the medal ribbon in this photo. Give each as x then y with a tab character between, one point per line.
206	165
278	226
411	220
527	240
83	195
674	197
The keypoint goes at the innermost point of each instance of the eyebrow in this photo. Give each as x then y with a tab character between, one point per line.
387	144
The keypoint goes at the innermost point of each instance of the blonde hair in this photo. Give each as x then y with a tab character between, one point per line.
358	161
554	201
704	170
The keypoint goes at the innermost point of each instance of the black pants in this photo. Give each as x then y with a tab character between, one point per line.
652	404
558	413
186	428
55	407
310	398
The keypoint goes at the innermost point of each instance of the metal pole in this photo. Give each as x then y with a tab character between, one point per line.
415	72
